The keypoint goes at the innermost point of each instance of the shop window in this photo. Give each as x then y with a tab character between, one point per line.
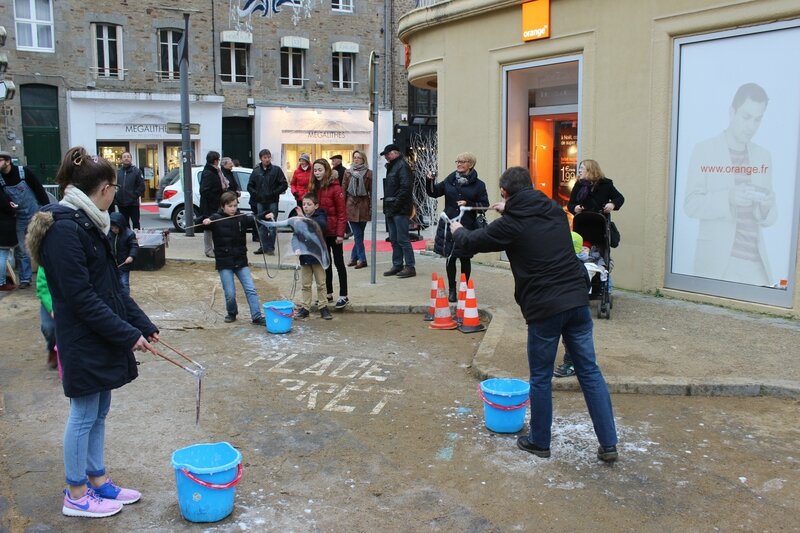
342	5
234	62
421	106
107	52
169	56
34	23
343	71
292	67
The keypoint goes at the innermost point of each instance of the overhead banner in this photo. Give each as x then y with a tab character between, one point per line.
736	132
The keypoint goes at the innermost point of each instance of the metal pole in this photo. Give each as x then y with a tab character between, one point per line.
186	144
374	109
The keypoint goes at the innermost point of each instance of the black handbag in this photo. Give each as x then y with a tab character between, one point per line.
614	236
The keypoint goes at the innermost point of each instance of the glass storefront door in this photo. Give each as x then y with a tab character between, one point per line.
553	154
147	160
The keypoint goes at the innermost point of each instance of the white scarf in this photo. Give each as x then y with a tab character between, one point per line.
77	199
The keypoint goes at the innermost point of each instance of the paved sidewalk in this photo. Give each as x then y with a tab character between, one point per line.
650	345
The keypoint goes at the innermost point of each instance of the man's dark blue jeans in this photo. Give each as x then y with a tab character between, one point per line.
543	335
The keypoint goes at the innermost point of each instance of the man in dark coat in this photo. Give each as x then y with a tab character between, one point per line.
267	183
551	287
22	191
130	187
336	164
212	184
398	203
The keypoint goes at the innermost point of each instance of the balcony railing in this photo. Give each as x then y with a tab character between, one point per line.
428	3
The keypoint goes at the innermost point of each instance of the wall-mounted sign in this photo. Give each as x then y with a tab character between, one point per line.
535	20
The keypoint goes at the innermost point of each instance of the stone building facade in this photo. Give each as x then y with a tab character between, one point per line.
288	76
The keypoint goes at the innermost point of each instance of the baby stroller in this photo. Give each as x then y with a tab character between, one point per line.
594	227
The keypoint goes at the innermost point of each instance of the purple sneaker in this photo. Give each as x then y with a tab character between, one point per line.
89	505
109	491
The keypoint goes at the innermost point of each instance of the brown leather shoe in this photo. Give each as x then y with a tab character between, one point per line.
407	272
361	264
352	263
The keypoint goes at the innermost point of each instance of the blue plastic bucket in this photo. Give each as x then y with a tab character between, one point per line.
206	475
505	401
278	316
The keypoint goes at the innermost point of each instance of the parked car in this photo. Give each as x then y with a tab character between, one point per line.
171	206
167	179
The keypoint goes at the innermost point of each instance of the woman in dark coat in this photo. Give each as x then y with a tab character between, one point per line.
460	188
213	183
98	326
594	191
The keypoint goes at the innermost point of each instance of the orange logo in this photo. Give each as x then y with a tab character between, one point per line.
535	20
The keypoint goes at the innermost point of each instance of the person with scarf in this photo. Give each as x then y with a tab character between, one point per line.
357	185
461	188
98	325
212	184
593	191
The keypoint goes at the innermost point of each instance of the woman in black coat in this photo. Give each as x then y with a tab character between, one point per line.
98	326
460	188
594	191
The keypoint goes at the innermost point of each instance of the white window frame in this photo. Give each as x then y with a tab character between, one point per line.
232	75
342	84
289	79
106	72
342	6
36	24
172	53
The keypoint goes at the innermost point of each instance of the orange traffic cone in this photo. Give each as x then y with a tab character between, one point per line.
432	307
462	297
442	318
472	321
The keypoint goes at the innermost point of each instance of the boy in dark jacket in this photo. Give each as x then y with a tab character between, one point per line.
230	255
124	246
310	265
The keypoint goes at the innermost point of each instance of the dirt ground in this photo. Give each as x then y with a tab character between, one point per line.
372	422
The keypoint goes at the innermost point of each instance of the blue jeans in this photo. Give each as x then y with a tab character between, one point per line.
48	327
267	235
125	279
575	325
5	253
84	437
401	244
226	277
359	253
21	251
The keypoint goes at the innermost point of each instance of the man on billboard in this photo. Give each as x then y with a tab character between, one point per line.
729	190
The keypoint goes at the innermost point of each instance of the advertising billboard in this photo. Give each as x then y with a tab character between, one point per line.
734	169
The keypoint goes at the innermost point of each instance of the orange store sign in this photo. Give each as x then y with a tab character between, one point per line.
536	20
